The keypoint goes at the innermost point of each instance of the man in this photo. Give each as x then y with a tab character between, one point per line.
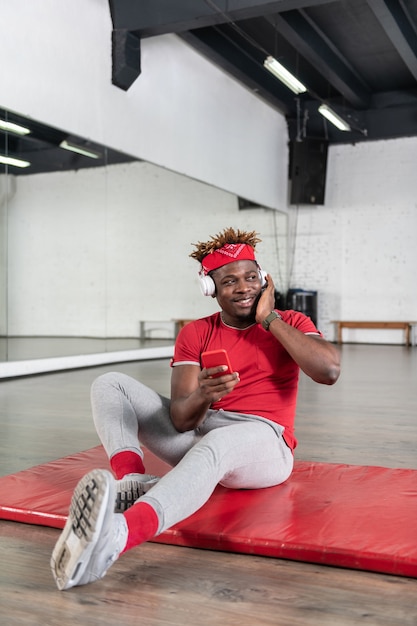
234	428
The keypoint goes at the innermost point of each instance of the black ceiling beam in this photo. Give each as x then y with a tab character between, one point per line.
158	17
307	39
318	128
389	116
391	121
126	58
238	58
399	27
371	125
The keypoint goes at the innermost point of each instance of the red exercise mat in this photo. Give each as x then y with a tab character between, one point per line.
359	517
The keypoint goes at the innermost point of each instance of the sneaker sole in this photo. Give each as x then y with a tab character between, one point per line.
88	509
129	490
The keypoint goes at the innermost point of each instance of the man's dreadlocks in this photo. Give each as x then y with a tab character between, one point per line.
228	235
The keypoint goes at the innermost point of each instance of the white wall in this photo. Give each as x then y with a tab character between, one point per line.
181	113
359	250
74	262
91	253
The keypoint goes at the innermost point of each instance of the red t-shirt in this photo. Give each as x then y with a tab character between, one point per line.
268	375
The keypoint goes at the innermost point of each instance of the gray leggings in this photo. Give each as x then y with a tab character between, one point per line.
238	451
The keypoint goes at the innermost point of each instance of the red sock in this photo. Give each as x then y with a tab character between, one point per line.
142	522
126	462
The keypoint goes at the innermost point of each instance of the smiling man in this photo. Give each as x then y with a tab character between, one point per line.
236	429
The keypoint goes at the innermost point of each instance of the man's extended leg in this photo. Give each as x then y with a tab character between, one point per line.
243	455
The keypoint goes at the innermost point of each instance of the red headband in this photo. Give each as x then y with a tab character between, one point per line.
227	254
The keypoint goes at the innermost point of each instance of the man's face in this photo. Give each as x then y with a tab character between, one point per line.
238	286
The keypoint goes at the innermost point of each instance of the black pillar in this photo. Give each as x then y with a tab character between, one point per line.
126	58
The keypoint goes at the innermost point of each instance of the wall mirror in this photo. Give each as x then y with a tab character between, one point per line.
28	149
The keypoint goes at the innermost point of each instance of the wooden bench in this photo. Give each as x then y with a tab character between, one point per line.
161	329
405	326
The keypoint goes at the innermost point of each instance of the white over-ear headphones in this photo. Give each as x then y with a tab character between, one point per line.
208	288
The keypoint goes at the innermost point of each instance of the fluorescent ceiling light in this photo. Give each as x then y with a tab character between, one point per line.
12	161
284	75
72	147
13	128
333	117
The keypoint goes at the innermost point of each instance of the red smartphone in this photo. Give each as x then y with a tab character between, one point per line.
215	358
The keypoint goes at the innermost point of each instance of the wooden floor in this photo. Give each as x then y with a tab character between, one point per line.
369	418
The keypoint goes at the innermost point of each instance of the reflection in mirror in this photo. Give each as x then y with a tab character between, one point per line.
30	148
75	249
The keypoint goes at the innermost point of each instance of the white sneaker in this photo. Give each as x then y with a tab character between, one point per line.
130	488
93	536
